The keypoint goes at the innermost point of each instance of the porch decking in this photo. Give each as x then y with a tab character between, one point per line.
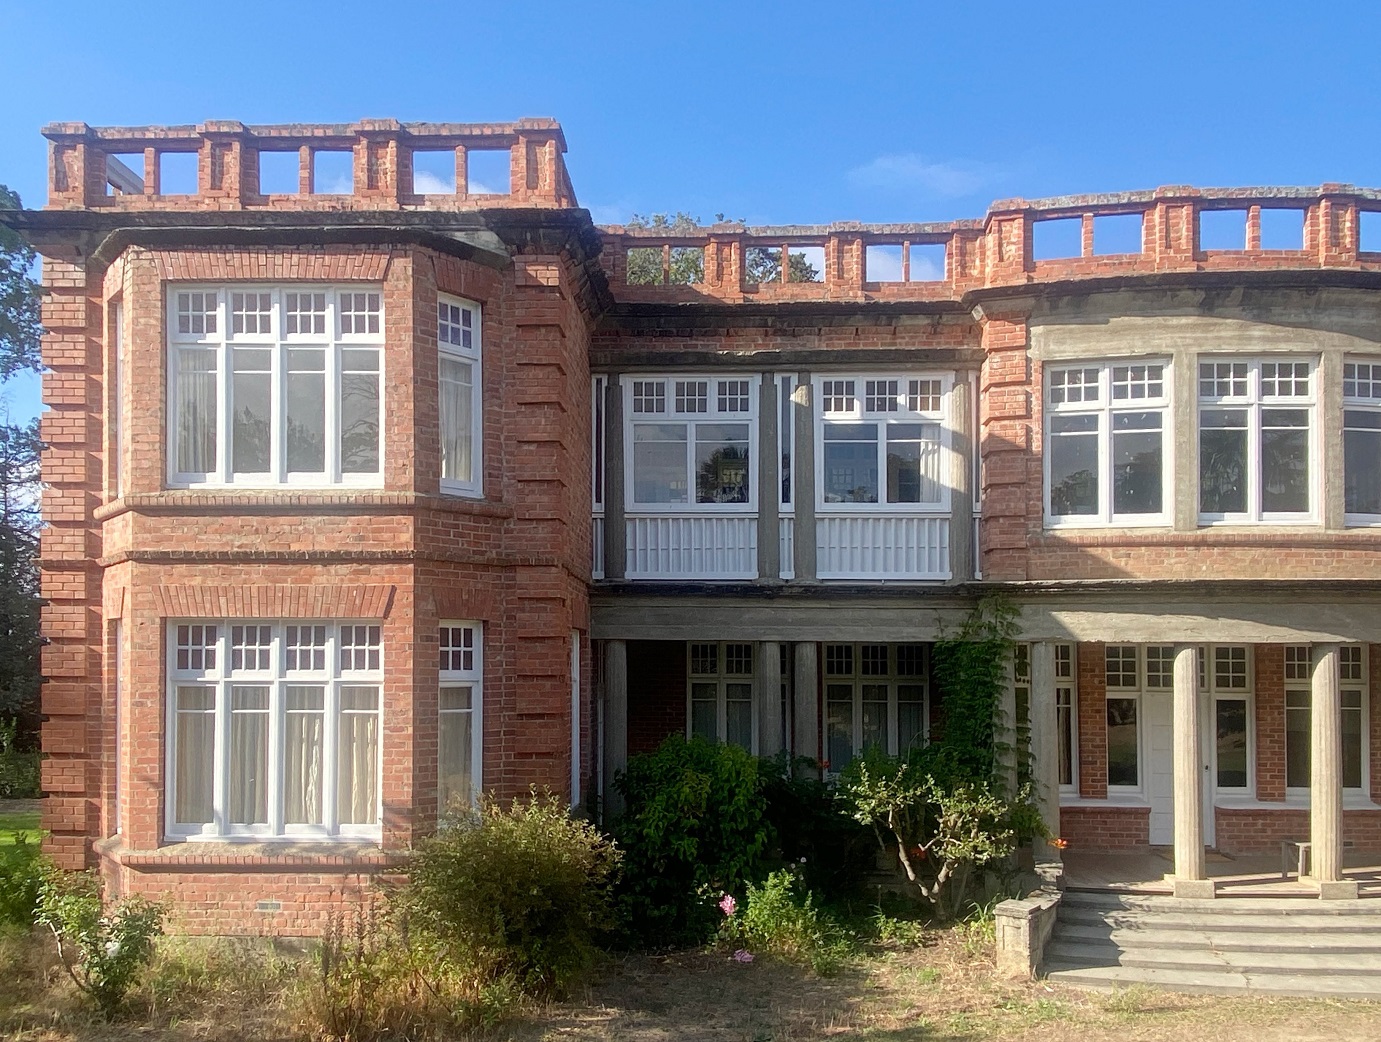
1246	876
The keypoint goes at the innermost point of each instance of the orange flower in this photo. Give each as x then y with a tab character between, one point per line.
1058	843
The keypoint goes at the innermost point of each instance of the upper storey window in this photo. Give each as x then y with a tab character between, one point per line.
692	441
1256	440
458	371
1362	441
881	440
1105	461
274	385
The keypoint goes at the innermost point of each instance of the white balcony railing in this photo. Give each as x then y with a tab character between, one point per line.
692	547
882	547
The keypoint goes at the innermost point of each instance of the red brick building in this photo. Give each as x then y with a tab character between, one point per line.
367	494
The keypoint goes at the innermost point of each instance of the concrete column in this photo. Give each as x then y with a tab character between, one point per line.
1045	744
1330	385
806	701
615	533
1191	868
615	722
1005	726
803	491
962	552
1325	777
769	491
768	692
1184	439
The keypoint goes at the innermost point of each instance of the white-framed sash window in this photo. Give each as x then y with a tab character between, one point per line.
275	385
1258	441
1354	691
460	732
1066	713
1106	460
691	443
719	693
460	419
1362	441
875	695
881	440
274	729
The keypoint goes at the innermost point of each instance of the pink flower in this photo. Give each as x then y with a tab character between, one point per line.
728	905
743	955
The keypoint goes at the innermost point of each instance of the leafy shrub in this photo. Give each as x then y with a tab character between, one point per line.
18	768
22	870
518	891
694	826
103	951
814	829
781	917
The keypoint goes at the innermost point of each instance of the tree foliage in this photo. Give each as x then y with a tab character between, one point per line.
19	295
19	612
686	264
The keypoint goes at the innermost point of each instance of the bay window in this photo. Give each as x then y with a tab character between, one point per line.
1256	440
274	729
459	418
274	386
1362	441
876	695
1105	444
881	441
459	732
720	693
692	442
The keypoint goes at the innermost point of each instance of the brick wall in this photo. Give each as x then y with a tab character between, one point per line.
1261	830
1091	830
1093	721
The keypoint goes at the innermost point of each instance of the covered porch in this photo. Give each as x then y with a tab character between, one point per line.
1252	875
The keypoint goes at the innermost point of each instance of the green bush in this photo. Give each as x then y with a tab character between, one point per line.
102	950
18	768
781	917
814	830
22	870
694	826
518	891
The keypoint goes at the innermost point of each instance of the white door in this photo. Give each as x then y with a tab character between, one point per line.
1160	768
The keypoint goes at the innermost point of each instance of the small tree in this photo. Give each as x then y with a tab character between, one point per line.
19	296
687	264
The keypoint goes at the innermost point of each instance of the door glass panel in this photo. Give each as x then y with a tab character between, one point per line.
1122	742
839	725
1230	720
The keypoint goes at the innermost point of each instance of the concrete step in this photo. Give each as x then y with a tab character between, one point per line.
1207	961
1218	982
1238	906
1352	942
1225	922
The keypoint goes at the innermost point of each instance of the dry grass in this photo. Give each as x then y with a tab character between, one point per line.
939	990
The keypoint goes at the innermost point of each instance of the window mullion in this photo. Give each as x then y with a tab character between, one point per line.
223	409
330	725
278	414
220	769
276	754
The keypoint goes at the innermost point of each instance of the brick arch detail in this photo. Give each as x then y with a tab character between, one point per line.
276	602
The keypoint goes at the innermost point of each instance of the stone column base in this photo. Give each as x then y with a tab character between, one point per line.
1337	889
1196	889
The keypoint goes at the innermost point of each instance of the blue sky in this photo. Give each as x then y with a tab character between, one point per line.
798	112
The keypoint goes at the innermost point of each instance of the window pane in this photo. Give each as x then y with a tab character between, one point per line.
1352	740
738	704
1362	462
1223	461
913	463
251	410
1231	726
1285	461
839	725
875	716
1136	452
705	711
721	463
1122	741
306	419
1297	728
1064	718
851	463
659	463
910	718
249	755
304	717
359	411
196	411
195	741
457	421
454	787
357	755
1073	465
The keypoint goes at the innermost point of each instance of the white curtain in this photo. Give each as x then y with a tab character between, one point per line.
196	410
249	755
457	401
196	735
302	740
454	749
357	756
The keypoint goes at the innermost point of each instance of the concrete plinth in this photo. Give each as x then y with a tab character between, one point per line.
1337	890
1196	889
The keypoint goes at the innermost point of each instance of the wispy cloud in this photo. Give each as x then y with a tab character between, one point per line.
424	182
911	172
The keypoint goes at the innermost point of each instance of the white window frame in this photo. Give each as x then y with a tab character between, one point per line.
474	357
1211	683
1304	683
473	678
856	679
1136	692
671	415
721	680
1105	408
786	444
1066	699
1354	400
220	678
902	414
222	341
1254	401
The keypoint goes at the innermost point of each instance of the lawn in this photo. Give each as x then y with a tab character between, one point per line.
13	825
936	988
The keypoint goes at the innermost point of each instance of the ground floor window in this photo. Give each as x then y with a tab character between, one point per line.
274	728
720	693
459	734
1066	714
876	695
1352	676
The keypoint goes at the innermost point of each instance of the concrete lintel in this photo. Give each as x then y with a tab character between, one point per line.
1196	889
